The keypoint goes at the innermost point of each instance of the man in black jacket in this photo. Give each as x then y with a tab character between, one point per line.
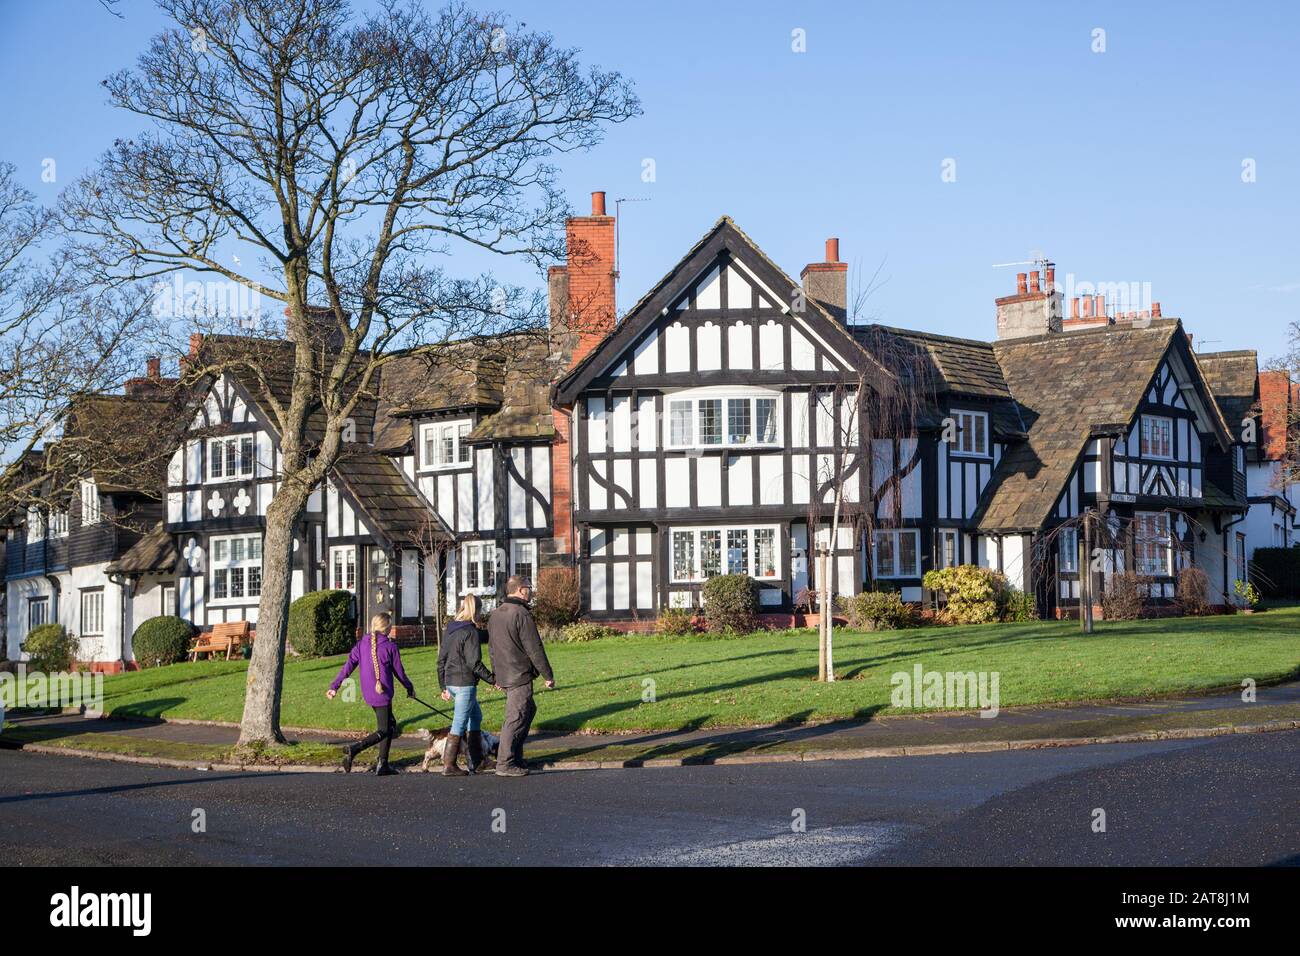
517	658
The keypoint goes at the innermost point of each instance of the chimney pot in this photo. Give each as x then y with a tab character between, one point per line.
1099	306
1021	279
1051	278
832	250
1155	310
598	204
1033	281
196	341
1074	307
153	367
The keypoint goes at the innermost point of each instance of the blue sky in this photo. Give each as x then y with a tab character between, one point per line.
1122	166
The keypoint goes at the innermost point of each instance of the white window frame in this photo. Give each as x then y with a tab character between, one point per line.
896	534
244	463
461	451
348	554
1152	527
724	533
946	535
91	509
530	545
170	605
44	603
725	398
484	554
965	421
95	626
1145	443
229	565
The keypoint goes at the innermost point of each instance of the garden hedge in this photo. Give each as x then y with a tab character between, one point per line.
321	623
161	640
1276	572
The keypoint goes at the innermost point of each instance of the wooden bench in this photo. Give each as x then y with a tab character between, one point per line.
229	637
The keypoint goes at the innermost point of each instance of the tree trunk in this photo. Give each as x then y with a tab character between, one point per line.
261	720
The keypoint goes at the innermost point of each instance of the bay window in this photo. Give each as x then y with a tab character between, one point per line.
236	567
734	421
897	553
698	553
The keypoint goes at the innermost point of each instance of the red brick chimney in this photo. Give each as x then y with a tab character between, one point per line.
827	283
1274	401
1033	310
582	307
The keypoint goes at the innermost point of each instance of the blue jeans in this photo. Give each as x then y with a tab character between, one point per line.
468	715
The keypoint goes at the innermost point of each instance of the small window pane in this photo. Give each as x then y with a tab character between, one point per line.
737	551
462	449
711	421
765	419
680	424
765	552
219	586
683	555
710	553
738	423
907	566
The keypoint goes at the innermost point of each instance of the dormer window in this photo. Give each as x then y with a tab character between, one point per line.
972	435
443	445
1157	437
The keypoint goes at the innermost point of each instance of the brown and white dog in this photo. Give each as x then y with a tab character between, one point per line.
436	741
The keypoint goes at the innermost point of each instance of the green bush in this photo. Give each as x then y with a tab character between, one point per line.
161	640
676	620
580	632
1276	571
975	595
1017	606
877	611
51	648
730	603
558	600
321	624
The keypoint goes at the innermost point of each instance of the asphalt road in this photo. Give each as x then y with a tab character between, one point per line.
1225	800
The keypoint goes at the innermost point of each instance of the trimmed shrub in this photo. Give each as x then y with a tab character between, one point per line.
1017	606
51	648
730	602
579	632
878	611
1127	596
675	620
1276	571
161	640
321	624
558	599
1193	592
974	595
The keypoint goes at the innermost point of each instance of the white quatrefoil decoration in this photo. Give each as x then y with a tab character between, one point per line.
194	554
216	503
242	501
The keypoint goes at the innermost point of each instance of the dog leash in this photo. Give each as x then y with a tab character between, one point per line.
430	706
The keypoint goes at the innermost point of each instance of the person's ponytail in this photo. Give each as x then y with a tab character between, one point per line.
379	624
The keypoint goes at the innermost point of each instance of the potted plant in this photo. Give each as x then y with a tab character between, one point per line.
1248	594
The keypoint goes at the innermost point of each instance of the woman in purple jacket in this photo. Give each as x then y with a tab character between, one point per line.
380	663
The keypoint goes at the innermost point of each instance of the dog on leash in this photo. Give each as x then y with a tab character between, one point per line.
436	741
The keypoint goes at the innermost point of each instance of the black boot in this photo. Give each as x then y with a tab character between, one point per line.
474	751
349	752
383	770
450	750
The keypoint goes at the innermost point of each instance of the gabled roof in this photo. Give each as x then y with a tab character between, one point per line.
1068	386
394	508
724	236
154	552
1234	379
121	441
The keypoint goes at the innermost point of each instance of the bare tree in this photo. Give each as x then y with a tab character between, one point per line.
61	339
430	542
346	155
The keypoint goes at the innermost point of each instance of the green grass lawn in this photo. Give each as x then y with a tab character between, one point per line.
767	678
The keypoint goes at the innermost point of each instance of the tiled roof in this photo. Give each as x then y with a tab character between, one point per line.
126	441
155	551
1233	377
1067	384
385	496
